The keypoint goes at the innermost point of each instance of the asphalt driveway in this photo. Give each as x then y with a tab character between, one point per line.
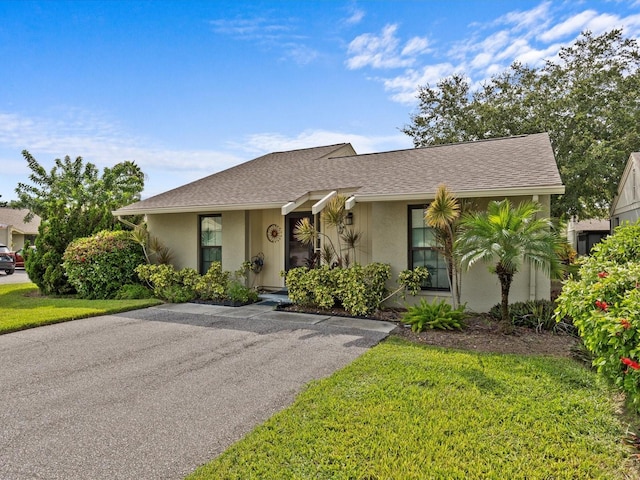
154	393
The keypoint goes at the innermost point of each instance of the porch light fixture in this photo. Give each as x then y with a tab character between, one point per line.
348	220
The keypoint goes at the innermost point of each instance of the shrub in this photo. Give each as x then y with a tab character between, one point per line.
538	314
604	304
436	315
169	284
99	265
213	284
360	290
178	286
239	293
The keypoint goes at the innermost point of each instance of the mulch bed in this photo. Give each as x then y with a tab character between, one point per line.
481	334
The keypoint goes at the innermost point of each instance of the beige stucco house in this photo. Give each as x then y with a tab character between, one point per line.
626	204
253	208
14	231
582	235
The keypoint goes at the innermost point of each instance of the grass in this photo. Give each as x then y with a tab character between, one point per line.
407	411
22	308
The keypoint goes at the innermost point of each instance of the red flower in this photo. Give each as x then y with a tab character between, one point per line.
625	323
603	274
630	363
602	305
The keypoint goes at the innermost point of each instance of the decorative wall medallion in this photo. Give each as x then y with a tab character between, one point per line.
274	233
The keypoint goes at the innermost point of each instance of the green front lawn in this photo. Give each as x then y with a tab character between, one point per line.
21	307
405	411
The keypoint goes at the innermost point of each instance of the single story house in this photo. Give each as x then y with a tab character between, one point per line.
582	235
253	208
626	204
14	231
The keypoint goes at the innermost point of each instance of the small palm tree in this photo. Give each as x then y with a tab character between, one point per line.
509	236
442	215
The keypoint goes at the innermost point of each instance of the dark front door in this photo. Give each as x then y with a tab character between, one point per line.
296	253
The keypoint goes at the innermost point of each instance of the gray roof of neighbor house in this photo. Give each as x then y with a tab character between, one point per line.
14	217
522	165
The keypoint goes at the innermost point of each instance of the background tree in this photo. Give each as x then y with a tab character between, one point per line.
508	236
587	99
73	200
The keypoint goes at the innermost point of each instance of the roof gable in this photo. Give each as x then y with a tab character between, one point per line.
14	217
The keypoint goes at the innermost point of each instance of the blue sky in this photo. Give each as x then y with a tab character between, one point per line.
186	89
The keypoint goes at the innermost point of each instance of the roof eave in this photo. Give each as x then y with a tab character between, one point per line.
495	192
194	209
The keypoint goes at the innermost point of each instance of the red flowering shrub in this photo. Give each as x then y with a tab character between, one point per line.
604	304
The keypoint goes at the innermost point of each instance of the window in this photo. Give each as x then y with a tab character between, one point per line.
210	241
423	251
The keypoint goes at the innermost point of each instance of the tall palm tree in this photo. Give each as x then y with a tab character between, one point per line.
509	236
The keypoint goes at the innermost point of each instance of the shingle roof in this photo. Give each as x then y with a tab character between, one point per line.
15	218
479	168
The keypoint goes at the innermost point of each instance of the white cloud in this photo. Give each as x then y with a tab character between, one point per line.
262	143
528	19
416	46
356	16
572	25
383	51
527	36
101	143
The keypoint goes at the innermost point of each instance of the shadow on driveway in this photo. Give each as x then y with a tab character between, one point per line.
153	393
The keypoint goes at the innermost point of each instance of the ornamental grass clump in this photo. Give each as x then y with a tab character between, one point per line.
604	304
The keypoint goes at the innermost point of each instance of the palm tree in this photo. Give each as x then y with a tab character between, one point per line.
442	215
509	236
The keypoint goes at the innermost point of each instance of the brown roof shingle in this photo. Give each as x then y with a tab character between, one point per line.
473	168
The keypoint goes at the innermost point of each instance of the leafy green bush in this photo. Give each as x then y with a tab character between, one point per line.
133	291
538	314
239	293
438	315
169	284
99	265
178	286
360	290
604	304
213	284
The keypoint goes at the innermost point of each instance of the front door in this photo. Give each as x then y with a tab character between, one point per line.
296	253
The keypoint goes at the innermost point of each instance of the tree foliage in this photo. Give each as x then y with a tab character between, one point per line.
508	236
587	99
73	201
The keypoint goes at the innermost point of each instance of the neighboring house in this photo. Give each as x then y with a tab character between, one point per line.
626	204
14	231
584	234
254	207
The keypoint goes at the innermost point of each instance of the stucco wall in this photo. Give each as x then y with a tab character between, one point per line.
179	232
273	251
480	287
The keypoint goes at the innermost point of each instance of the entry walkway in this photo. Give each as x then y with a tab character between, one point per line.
266	311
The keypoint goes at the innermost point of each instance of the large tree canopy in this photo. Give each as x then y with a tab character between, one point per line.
588	99
73	201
